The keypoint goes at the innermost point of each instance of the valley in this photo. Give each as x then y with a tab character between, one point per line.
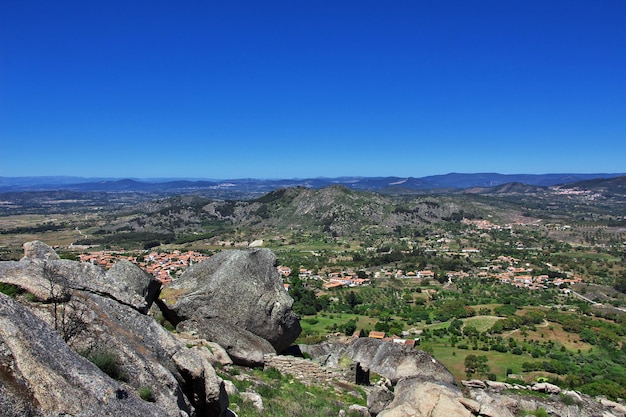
508	283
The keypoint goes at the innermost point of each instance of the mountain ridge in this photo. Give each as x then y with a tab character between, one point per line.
259	186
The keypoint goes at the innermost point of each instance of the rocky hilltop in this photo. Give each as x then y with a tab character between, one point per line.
78	340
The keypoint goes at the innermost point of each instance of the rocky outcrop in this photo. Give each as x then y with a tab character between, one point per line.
41	273
395	361
39	250
417	398
494	399
390	360
423	386
243	347
378	399
103	316
240	289
40	375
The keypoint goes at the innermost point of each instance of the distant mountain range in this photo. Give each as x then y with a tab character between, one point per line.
251	187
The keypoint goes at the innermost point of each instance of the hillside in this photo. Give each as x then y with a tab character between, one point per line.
509	188
607	187
330	212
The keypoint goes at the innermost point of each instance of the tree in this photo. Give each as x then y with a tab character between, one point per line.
353	300
470	331
476	365
620	283
349	328
68	314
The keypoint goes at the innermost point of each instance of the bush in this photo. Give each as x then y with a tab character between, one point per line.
499	348
146	394
10	290
517	350
108	363
273	373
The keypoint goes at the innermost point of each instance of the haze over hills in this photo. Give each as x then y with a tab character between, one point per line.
259	186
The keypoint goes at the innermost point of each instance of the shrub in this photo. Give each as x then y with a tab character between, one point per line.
108	363
499	348
146	394
567	400
9	289
273	373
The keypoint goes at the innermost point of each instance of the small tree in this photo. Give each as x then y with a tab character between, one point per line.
476	365
68	314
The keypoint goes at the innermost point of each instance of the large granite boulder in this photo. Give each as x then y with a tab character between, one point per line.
39	250
378	398
243	347
395	361
388	359
243	290
43	274
417	398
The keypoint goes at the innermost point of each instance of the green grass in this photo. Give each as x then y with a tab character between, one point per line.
108	363
146	394
589	255
9	289
481	323
454	359
326	321
284	396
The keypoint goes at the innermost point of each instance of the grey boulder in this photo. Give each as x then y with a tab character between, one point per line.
240	289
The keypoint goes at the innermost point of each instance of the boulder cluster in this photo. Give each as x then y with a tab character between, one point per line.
85	341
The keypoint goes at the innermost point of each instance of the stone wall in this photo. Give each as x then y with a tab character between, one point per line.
304	370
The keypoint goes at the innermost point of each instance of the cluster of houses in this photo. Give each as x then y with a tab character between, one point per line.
350	279
332	280
394	339
162	265
507	270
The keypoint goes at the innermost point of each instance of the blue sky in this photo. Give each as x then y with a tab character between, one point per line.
292	89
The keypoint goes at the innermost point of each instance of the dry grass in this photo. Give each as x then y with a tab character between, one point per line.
550	331
171	295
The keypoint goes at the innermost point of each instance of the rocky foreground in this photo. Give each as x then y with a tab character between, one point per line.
78	340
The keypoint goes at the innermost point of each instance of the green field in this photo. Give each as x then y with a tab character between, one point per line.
454	359
589	255
322	324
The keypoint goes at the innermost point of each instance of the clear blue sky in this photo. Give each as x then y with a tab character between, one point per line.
292	89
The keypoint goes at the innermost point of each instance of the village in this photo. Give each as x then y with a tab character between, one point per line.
165	266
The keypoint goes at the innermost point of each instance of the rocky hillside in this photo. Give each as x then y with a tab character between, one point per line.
78	340
332	211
